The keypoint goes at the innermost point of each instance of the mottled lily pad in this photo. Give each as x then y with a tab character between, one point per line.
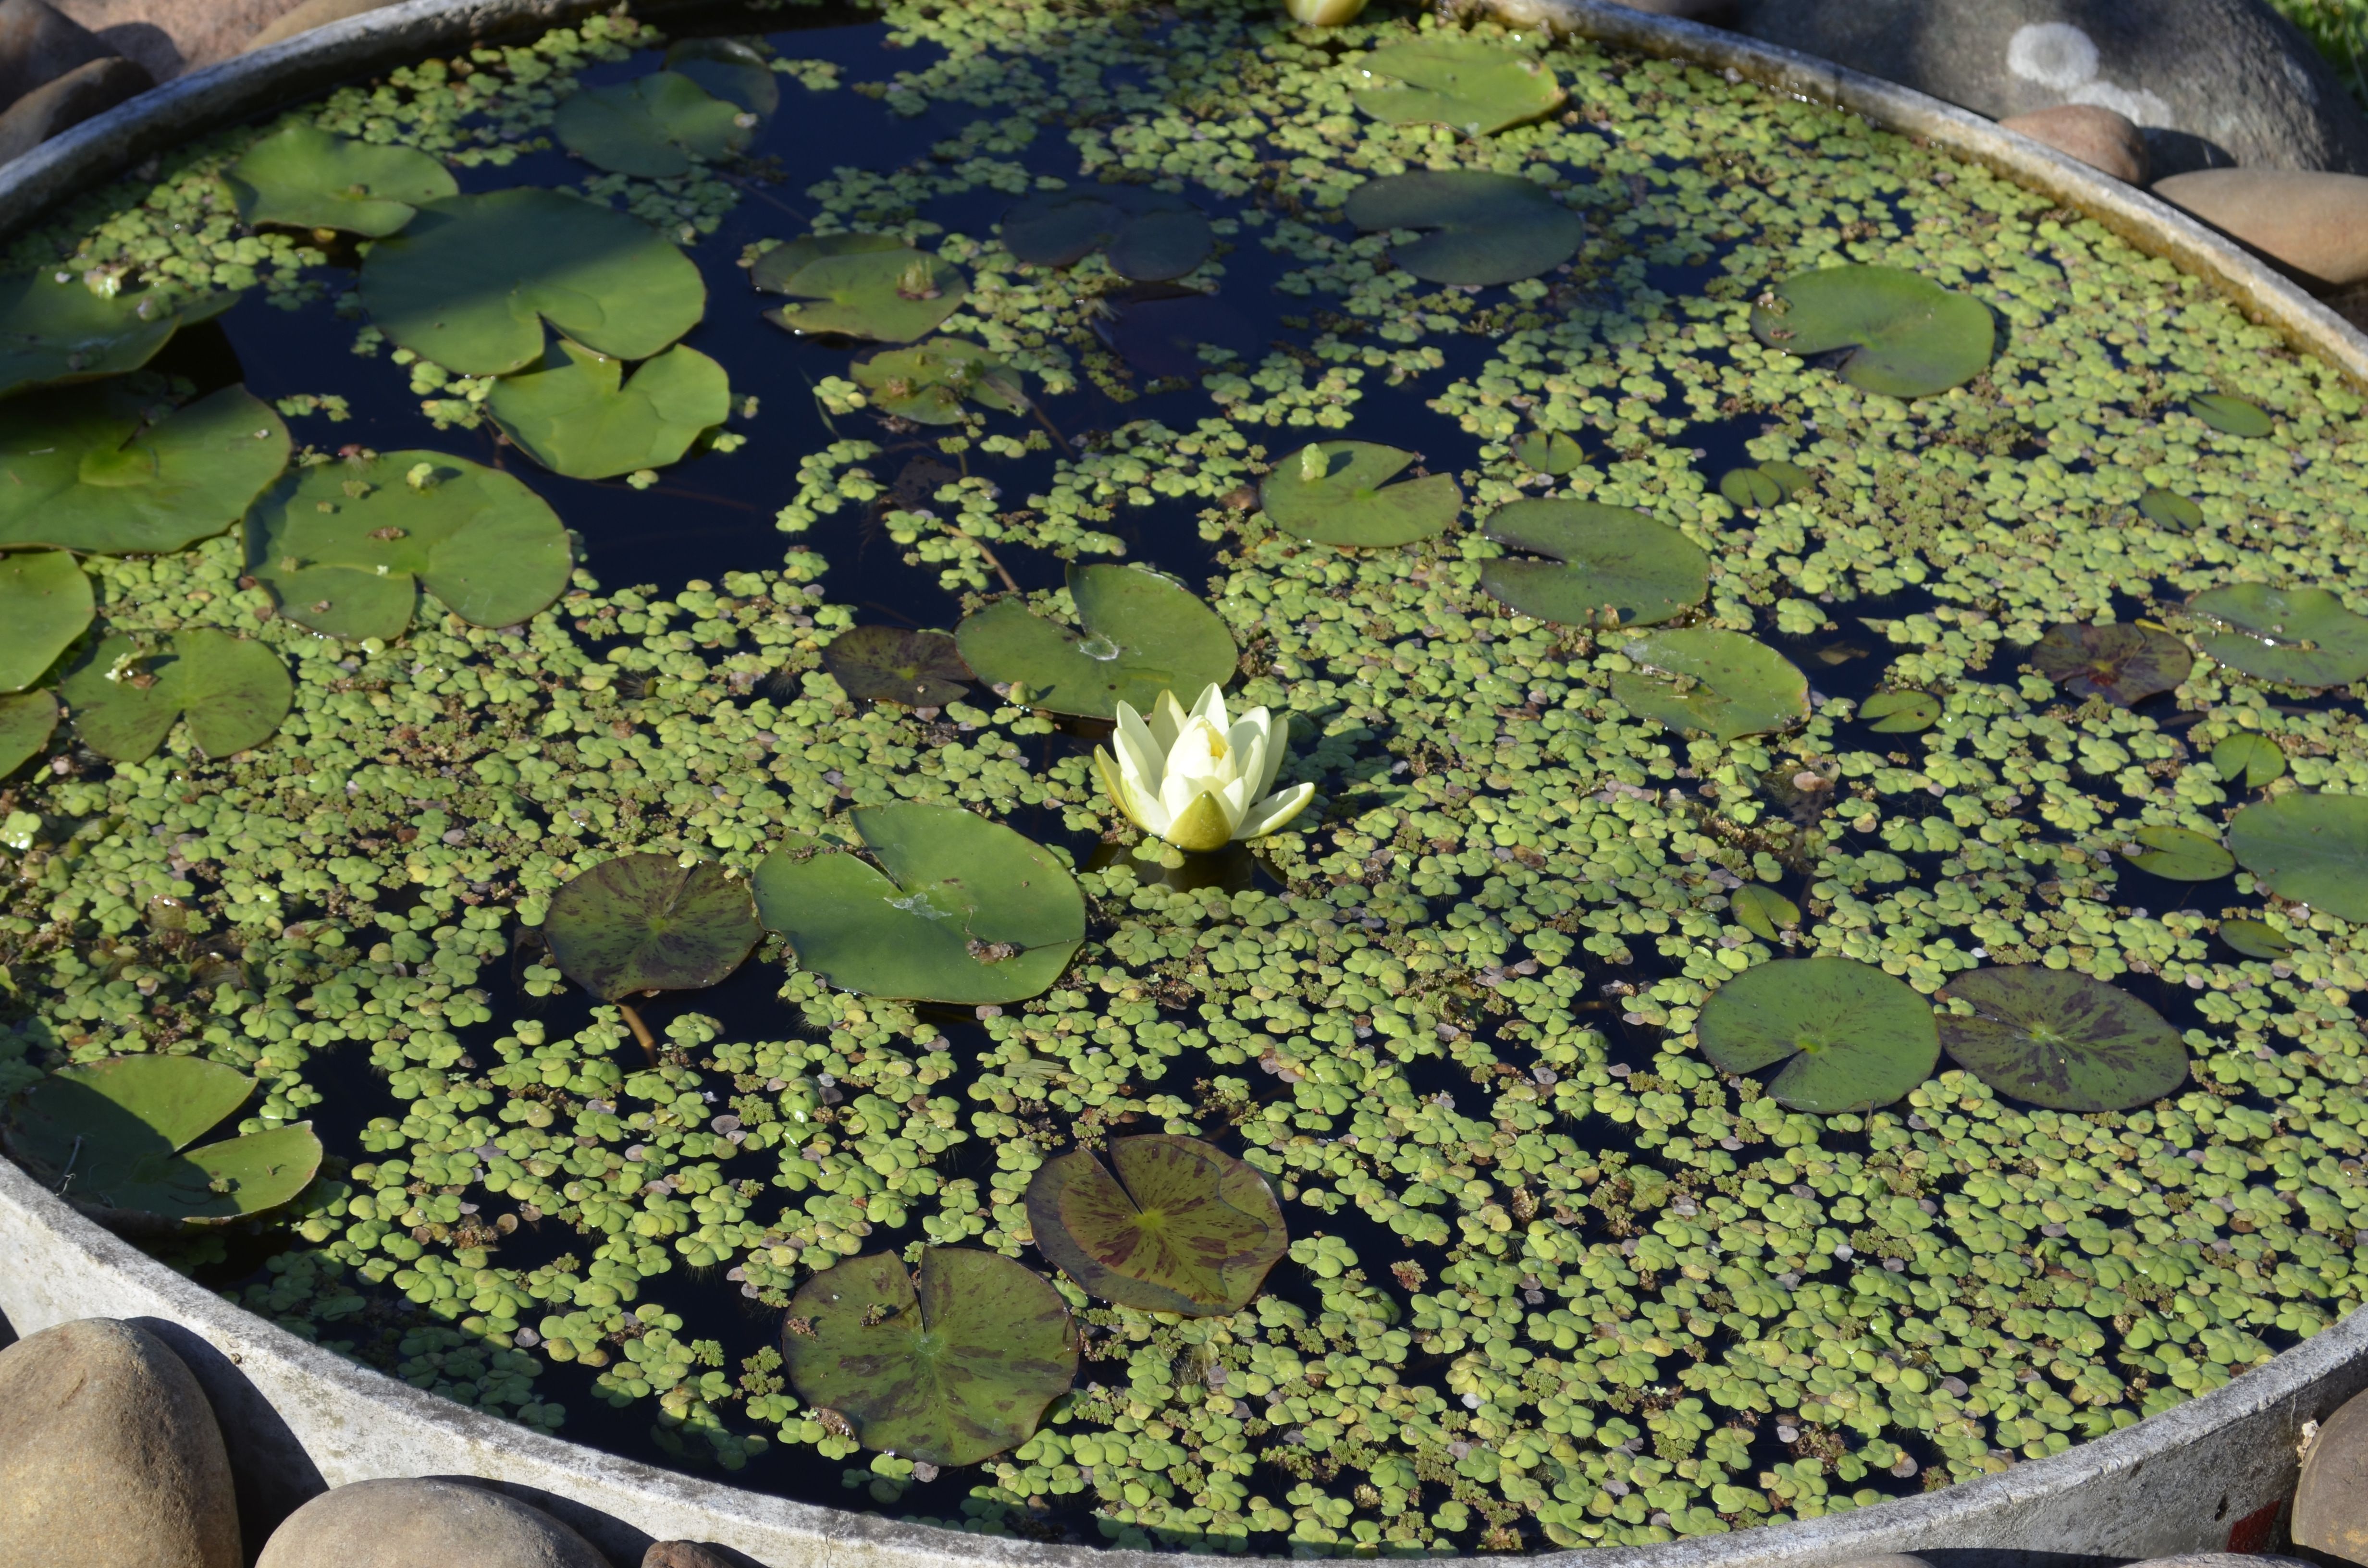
729	68
662	125
578	414
2167	510
2123	664
858	288
2293	636
306	178
786	260
1483	228
27	719
649	922
885	664
958	909
1138	635
45	603
1900	712
234	694
2230	415
54	328
1900	334
100	471
1855	1038
1338	492
2058	1038
1471	87
2309	848
1171	1224
2248	759
947	1366
2181	855
1553	453
929	382
1721	683
1149	236
1611	566
2255	939
1763	912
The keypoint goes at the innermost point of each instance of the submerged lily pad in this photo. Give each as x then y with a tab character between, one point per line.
2123	664
306	178
1856	1038
115	1136
859	288
234	693
2249	759
662	125
2160	506
27	719
2310	849
2181	855
2230	415
729	69
1171	1224
1138	635
1722	683
55	330
1763	912
958	909
1612	566
347	546
1469	87
45	603
582	417
100	471
884	663
929	382
947	1366
649	922
2058	1038
1150	235
1485	228
1902	335
1900	712
2255	939
1338	492
1555	454
2293	636
470	280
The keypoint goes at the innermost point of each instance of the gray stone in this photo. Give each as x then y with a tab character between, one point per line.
38	46
73	97
2100	137
1716	13
426	1523
170	37
109	1454
2314	223
2330	1505
309	14
1888	1559
2220	81
684	1554
2222	1559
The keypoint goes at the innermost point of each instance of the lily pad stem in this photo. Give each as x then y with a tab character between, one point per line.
1045	420
640	1030
984	554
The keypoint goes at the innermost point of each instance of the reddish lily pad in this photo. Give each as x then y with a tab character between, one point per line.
2058	1038
2123	664
1181	1226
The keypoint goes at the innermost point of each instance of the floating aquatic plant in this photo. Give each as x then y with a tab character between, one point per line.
731	68
578	414
1171	1224
1611	566
1557	453
1148	235
27	719
1138	635
643	923
1900	712
1340	492
928	383
1851	1037
107	471
1199	780
2230	415
303	177
2169	510
2307	847
1898	332
1762	486
2123	664
2060	1039
858	286
1721	683
127	695
1476	228
55	328
2249	759
885	664
2179	855
1469	86
657	127
2293	636
45	603
1764	912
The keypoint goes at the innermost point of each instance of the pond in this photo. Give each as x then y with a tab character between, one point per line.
1786	937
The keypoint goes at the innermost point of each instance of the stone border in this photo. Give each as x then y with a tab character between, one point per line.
2210	1473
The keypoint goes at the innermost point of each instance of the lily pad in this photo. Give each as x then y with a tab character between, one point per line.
1855	1038
2293	636
1900	712
789	258
582	417
657	127
1180	1227
1484	228
306	178
2255	939
958	909
2123	664
1722	683
1611	567
2249	759
648	922
115	1135
1749	487
947	1365
1471	87
2169	511
1900	334
929	382
1338	492
55	329
1763	912
1150	235
2230	415
468	283
1788	477
2310	849
347	546
2060	1039
1162	329
45	602
1557	453
99	470
858	288
1138	635
730	69
2181	855
27	721
884	663
234	693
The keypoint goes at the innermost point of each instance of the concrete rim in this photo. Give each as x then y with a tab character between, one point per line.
2174	1483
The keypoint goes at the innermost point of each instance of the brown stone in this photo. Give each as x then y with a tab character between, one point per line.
2330	1505
683	1555
170	37
2312	222
38	45
309	14
109	1454
86	90
424	1524
2099	138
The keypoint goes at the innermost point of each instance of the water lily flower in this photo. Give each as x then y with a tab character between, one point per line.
1197	779
1323	13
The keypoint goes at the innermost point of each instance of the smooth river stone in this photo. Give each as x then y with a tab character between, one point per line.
684	1554
2099	138
424	1524
2330	1505
2314	222
38	45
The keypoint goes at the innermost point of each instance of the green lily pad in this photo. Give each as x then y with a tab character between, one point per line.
789	258
1904	335
2058	1038
2255	939
1180	1227
2123	664
1338	492
1763	912
1856	1038
884	663
2308	848
306	178
1788	477
99	470
1471	87
859	288
45	602
958	909
1557	453
234	693
729	68
929	382
1150	235
1611	566
1484	228
53	329
470	280
2249	759
1749	487
1138	635
662	125
648	922
1722	683
116	1134
947	1365
347	546
2230	415
2182	855
582	417
1900	712
2293	636
27	721
2169	511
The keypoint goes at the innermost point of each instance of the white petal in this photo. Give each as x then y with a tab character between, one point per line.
1210	705
1137	751
1200	751
1245	748
1278	746
1275	811
1235	799
1166	721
